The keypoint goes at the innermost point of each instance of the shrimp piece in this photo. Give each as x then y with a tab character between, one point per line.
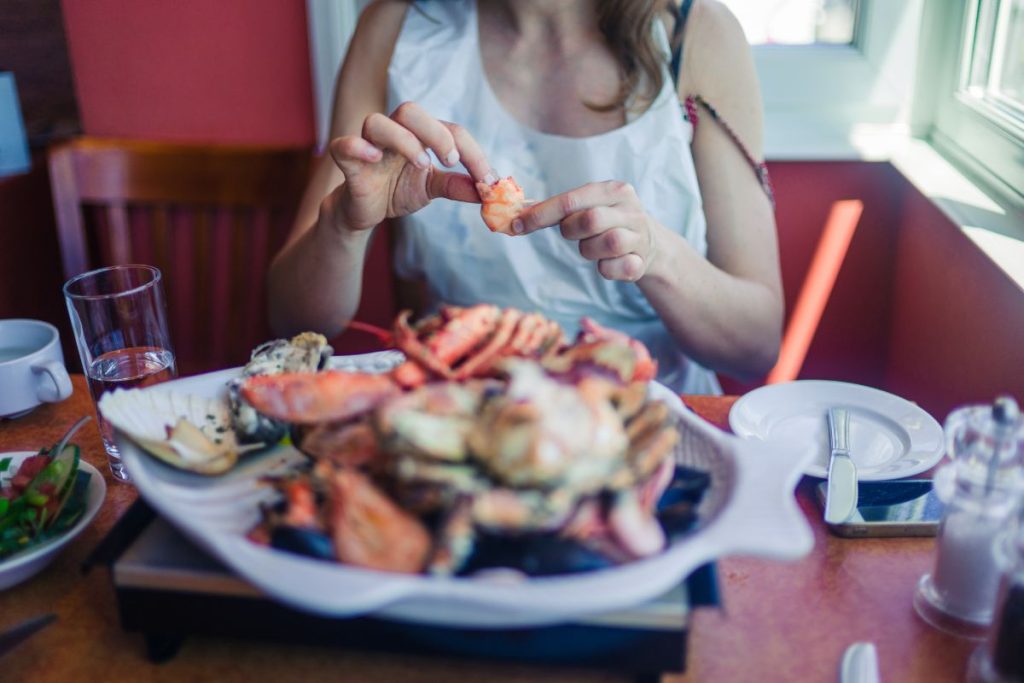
501	203
370	530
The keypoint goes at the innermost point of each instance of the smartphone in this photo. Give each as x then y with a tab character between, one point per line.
900	507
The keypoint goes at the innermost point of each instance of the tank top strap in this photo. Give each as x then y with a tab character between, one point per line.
692	103
682	13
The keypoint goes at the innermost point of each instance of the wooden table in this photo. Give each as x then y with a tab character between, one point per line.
778	622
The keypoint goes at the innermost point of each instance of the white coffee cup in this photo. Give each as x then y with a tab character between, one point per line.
31	366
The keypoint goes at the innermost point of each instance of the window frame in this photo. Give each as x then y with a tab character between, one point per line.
974	132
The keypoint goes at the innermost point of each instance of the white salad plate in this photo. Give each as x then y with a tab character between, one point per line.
890	437
27	563
748	509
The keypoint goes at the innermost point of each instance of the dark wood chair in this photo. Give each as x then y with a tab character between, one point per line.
209	216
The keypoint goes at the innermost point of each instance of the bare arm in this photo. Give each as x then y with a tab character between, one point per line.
315	282
725	311
379	168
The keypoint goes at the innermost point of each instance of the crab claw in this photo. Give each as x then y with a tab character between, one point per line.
308	398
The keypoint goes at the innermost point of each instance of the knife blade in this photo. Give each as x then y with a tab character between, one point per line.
16	634
860	664
841	500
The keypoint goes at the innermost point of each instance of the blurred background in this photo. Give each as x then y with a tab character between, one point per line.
894	135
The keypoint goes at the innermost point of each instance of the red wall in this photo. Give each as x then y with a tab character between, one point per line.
957	323
852	338
199	70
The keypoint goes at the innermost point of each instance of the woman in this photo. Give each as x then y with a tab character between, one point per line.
670	243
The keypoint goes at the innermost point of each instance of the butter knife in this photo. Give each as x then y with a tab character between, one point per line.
860	664
15	635
841	500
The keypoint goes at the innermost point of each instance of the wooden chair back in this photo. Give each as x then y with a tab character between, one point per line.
210	217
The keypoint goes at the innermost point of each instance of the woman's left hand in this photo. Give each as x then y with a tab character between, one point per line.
608	221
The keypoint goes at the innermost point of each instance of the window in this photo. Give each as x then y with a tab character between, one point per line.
994	68
796	22
836	75
979	119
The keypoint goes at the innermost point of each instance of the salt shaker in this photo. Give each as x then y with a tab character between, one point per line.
981	488
1001	658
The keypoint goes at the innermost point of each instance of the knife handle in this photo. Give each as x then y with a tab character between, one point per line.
839	430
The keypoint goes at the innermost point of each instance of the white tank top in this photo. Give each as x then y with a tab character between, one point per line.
436	63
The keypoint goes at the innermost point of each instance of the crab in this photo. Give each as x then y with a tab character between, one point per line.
457	344
494	426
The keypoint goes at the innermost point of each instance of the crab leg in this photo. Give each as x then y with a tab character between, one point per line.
464	332
527	330
554	340
407	340
482	360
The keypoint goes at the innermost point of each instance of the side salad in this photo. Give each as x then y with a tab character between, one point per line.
43	497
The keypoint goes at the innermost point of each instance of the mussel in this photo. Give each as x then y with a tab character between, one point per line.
677	509
534	554
308	542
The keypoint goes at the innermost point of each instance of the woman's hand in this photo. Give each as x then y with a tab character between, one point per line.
608	221
388	172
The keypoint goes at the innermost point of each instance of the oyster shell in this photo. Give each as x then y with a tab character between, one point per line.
186	431
306	352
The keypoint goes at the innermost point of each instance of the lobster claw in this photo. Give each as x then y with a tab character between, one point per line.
309	398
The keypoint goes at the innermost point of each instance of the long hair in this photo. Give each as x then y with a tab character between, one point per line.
628	28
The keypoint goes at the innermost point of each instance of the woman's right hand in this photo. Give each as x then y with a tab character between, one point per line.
388	171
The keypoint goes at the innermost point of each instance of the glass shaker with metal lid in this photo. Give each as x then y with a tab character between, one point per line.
1001	658
982	489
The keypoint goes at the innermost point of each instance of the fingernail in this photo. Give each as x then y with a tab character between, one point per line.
491	178
423	160
452	158
517	226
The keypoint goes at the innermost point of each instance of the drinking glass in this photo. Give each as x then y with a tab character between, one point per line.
120	322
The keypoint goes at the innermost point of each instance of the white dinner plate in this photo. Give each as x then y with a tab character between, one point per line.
890	437
748	509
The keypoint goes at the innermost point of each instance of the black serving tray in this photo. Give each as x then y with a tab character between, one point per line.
167	590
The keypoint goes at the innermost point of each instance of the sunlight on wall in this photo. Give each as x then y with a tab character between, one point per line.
1006	251
817	287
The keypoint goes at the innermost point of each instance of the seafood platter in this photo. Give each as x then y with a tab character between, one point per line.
488	472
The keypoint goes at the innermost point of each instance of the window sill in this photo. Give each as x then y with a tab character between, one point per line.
994	225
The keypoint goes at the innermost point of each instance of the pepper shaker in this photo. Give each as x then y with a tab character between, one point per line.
1001	658
981	488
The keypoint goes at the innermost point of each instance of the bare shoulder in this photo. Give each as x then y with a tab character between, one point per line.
362	81
718	65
